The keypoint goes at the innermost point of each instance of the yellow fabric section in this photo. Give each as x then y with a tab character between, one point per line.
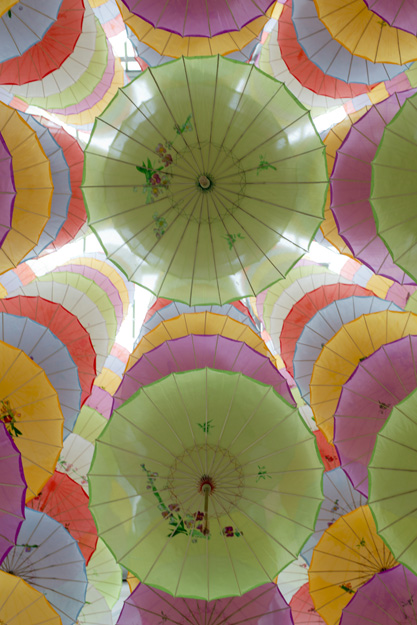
34	188
21	604
347	556
25	385
132	581
379	285
107	270
6	5
169	44
108	381
198	323
88	116
364	33
341	355
97	3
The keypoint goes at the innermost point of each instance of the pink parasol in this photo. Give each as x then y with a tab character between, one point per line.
7	190
402	15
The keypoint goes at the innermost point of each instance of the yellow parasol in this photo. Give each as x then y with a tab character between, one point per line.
6	5
364	33
20	604
34	188
30	410
340	356
170	44
198	323
347	556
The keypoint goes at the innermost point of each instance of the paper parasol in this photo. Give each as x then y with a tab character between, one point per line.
12	492
90	424
53	288
191	191
197	352
65	326
65	501
304	310
292	578
348	555
147	606
392	481
160	302
101	400
200	19
45	349
379	382
34	188
20	604
341	355
7	190
108	14
327	451
389	597
49	559
302	608
175	309
210	505
75	459
339	498
95	611
31	412
199	323
51	51
402	16
74	156
132	581
173	45
323	327
351	188
328	54
105	574
393	182
362	32
25	25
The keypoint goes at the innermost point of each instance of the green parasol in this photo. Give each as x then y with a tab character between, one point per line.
105	574
199	172
393	482
205	484
394	187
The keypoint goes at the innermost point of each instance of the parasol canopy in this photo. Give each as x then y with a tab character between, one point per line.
49	559
291	579
95	610
350	187
302	608
198	323
378	383
75	459
30	409
7	190
194	190
23	605
348	555
65	501
387	598
12	492
393	182
148	605
323	327
105	574
341	355
402	16
392	482
90	423
197	352
190	462
363	32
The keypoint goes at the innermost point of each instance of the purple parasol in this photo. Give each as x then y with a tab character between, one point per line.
7	190
378	383
198	18
149	606
350	185
12	493
402	15
196	351
388	598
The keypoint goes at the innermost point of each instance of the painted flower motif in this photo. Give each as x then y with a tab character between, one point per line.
174	507
228	531
155	179
166	159
160	149
165	513
199	516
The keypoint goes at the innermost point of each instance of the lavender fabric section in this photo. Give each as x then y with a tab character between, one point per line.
264	604
389	598
12	492
350	186
402	15
101	401
196	352
7	190
378	383
198	18
103	282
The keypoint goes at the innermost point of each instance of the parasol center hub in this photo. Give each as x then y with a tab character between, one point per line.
204	182
206	485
